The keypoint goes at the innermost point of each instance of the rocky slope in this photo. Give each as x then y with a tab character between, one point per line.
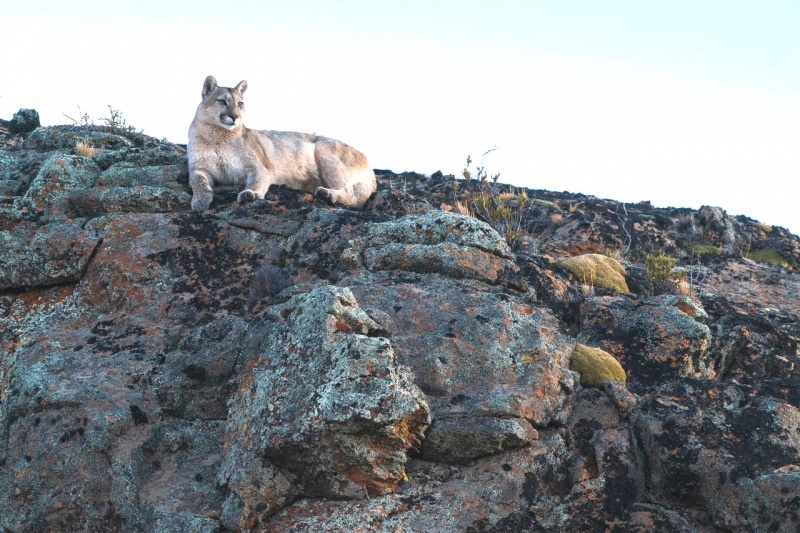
404	368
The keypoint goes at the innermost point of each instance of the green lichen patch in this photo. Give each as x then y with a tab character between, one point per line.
769	256
704	249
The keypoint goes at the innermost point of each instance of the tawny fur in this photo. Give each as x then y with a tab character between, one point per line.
222	151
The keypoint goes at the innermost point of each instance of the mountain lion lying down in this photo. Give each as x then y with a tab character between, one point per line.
222	151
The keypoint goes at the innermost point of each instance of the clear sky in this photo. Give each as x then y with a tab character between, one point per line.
683	103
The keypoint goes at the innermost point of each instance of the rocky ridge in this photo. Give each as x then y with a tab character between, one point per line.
414	375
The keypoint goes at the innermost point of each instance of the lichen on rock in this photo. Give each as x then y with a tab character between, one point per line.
323	404
438	242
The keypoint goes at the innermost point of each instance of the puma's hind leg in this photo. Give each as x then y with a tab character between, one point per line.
336	196
339	166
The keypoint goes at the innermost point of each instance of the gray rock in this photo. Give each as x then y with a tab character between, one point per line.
323	411
438	242
47	255
438	227
462	440
61	175
98	201
128	174
63	138
198	379
432	394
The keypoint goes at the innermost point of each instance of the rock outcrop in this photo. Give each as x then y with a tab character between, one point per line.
400	368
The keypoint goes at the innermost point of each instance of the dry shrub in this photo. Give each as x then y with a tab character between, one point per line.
84	149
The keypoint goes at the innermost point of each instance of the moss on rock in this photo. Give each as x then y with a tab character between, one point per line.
596	270
596	366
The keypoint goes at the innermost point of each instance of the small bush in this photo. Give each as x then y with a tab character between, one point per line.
504	211
662	275
265	285
83	120
658	267
480	175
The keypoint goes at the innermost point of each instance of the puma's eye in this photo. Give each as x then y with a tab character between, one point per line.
222	101
240	104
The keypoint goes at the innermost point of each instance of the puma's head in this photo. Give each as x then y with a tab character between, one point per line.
222	106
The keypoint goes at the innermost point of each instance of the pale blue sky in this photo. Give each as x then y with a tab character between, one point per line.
680	103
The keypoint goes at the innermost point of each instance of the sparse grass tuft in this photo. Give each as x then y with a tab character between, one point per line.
766	228
84	149
265	285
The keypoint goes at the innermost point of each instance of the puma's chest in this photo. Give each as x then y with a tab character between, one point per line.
226	163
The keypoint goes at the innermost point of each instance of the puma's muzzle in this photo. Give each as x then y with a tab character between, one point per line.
230	120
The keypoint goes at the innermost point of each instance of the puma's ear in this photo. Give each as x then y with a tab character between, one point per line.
242	87
209	85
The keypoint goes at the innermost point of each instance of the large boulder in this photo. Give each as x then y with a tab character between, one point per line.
323	409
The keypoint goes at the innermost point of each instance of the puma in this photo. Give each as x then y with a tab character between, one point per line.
222	151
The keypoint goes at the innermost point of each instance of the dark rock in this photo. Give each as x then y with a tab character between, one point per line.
746	347
656	339
397	203
725	448
24	121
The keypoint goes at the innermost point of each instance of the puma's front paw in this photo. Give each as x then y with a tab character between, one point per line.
246	196
201	202
326	195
